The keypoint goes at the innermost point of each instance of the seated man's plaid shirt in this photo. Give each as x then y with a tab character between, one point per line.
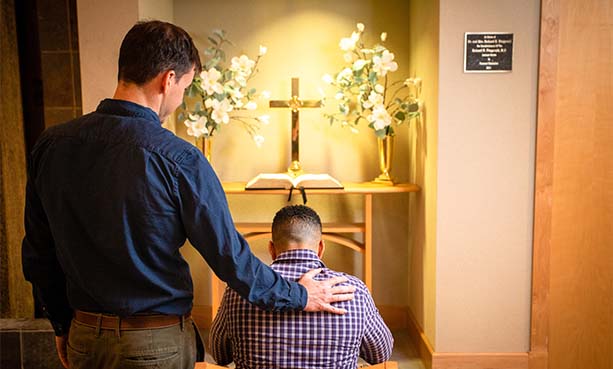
254	338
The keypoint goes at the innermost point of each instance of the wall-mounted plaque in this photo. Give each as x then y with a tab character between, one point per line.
486	52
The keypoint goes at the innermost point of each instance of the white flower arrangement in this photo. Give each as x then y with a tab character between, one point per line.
219	94
363	90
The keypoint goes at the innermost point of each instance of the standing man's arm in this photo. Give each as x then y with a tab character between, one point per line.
210	229
377	343
42	269
221	344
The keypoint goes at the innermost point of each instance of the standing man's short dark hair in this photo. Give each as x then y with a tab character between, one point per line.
254	338
112	196
150	48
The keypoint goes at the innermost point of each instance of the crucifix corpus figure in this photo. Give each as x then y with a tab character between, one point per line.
295	103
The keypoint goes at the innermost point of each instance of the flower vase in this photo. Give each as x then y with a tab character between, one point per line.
205	144
385	150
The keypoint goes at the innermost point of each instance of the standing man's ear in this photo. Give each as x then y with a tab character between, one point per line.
167	80
271	250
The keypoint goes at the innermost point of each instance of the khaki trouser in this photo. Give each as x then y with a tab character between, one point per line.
171	347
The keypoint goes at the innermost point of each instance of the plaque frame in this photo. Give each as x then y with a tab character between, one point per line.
488	33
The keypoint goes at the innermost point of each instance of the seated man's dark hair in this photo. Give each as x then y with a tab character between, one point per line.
153	47
295	223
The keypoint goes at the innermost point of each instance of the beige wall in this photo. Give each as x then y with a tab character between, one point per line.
102	25
156	9
424	62
485	182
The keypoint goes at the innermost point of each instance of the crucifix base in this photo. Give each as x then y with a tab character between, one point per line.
295	169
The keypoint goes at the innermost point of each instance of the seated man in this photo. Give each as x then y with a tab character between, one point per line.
254	338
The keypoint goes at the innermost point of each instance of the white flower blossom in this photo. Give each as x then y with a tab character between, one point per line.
251	105
220	110
344	74
264	119
209	81
348	43
339	96
263	50
379	88
383	36
348	57
360	27
259	140
196	126
359	64
384	63
327	79
380	117
374	99
242	64
241	79
265	95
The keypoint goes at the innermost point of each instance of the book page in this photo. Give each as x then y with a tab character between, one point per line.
270	181
316	181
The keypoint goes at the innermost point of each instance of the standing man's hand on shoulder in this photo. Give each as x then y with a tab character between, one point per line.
322	293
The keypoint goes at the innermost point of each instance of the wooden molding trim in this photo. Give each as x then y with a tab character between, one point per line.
420	340
465	360
543	187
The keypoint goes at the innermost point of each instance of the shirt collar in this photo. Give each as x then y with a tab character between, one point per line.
128	109
299	255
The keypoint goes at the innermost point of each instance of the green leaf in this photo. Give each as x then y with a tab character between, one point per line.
414	107
219	33
213	41
400	116
372	77
191	91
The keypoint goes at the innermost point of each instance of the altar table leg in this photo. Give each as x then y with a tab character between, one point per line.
368	241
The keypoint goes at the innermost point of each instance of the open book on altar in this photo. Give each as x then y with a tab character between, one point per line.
269	181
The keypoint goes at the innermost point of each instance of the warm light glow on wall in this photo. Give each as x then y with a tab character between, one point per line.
302	41
302	38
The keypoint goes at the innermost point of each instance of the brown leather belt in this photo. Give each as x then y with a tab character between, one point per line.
130	322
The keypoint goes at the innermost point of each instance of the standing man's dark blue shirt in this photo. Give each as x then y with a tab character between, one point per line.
110	199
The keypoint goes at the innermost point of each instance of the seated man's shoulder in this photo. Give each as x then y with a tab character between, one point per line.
352	280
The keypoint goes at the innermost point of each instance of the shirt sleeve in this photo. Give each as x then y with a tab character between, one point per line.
40	264
377	343
210	229
220	336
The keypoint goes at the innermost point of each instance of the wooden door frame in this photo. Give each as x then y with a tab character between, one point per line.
543	186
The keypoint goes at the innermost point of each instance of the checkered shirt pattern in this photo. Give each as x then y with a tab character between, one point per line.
254	338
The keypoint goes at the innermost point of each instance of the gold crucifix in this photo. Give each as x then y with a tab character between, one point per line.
295	103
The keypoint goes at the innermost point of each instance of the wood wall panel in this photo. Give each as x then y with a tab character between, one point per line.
581	253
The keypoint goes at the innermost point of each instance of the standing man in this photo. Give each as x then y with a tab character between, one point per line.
111	198
254	338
